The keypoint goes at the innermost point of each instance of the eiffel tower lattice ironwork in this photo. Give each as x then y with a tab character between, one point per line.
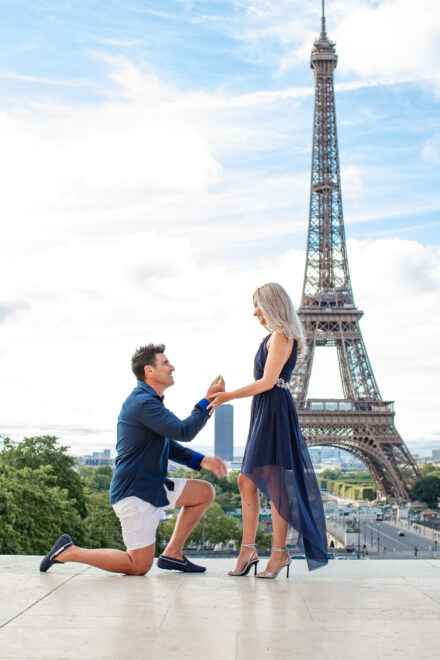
361	423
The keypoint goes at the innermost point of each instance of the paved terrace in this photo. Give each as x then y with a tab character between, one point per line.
351	609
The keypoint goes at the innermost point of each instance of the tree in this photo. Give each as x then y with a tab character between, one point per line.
97	479
427	489
229	501
44	450
101	525
163	533
430	470
34	511
214	527
328	474
262	540
225	484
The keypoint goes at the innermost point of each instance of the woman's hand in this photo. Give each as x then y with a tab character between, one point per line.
217	399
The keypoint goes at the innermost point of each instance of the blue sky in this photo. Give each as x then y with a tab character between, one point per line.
155	165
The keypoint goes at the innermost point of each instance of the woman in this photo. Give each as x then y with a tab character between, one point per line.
276	460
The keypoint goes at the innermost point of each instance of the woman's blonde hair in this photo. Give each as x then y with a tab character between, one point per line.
279	312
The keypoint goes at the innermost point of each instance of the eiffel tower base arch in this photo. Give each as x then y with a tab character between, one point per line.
370	436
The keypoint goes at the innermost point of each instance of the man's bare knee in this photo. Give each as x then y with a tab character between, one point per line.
139	568
141	560
141	571
210	492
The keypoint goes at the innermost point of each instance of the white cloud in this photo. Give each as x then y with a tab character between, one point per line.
67	154
431	150
91	304
393	38
67	355
45	81
386	41
351	180
396	282
382	40
148	157
112	218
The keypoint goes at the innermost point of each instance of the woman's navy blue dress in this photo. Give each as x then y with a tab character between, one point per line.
276	459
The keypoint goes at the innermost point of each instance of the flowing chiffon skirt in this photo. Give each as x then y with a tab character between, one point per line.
277	460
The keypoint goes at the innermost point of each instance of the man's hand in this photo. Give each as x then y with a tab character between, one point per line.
217	385
214	465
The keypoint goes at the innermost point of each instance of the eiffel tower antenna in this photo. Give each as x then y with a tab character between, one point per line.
323	32
361	423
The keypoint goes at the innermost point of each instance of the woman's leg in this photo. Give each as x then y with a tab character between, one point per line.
280	527
250	506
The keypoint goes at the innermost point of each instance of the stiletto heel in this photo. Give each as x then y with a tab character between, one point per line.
268	575
251	562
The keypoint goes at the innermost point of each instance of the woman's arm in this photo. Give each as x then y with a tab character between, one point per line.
279	349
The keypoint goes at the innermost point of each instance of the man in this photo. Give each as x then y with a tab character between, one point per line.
140	489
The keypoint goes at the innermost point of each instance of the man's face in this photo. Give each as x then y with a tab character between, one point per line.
162	373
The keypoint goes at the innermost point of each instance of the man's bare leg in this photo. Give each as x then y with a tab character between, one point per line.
132	562
196	497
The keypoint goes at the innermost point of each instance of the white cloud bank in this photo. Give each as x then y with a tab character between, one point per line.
383	40
112	216
65	356
392	39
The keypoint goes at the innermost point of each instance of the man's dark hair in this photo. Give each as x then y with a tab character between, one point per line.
143	356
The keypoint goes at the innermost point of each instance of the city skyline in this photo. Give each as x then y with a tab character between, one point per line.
156	170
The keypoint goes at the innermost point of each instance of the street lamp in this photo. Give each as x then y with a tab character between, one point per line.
378	538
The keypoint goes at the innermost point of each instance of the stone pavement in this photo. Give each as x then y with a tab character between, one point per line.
350	609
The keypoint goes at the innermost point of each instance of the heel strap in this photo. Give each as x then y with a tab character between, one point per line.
280	549
248	545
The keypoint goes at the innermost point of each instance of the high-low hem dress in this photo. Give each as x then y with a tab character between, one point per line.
277	460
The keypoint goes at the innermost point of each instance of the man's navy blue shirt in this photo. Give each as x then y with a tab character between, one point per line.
146	437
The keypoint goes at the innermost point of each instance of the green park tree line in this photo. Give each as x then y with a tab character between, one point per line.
353	485
427	489
361	486
43	496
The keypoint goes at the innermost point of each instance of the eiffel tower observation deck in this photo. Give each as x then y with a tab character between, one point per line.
361	423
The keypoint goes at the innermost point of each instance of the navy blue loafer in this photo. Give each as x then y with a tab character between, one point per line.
60	545
185	565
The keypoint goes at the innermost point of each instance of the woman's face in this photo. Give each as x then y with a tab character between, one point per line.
259	314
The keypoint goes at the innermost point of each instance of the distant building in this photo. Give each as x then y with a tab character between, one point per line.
436	454
234	464
97	459
315	455
224	432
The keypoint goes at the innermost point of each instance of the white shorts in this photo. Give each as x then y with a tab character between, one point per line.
139	519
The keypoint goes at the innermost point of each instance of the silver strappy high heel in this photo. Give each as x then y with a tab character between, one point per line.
251	562
271	576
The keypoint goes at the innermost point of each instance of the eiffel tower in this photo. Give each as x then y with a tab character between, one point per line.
361	423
